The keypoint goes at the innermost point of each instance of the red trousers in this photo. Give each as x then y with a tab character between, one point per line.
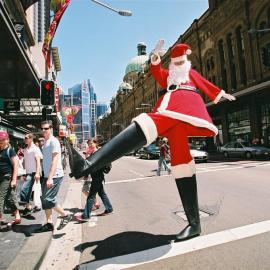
177	133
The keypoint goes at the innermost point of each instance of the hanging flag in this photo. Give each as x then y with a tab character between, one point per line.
27	3
46	48
56	5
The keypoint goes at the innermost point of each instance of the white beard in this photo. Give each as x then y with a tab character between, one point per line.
178	74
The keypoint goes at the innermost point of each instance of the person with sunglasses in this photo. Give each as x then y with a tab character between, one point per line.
53	177
32	157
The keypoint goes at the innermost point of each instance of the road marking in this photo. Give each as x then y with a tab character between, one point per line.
176	249
92	222
199	171
139	174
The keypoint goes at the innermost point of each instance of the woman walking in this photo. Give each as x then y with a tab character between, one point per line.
96	188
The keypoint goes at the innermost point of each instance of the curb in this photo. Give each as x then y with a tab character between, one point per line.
35	247
31	255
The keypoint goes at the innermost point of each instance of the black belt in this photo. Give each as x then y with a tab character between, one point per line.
174	87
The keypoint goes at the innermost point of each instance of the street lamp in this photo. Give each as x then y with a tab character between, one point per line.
126	13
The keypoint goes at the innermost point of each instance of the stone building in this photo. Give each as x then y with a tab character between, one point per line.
230	47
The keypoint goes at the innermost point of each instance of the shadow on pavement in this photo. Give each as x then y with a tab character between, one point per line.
126	243
27	230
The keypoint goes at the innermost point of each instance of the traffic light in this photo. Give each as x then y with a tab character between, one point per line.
47	95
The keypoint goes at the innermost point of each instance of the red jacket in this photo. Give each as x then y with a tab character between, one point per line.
183	104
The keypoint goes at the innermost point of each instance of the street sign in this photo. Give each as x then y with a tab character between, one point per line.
11	104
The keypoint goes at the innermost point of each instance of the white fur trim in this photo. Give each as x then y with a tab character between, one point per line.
219	96
195	121
165	101
188	51
179	58
148	127
157	61
184	170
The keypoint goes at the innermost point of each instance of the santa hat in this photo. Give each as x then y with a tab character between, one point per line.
179	52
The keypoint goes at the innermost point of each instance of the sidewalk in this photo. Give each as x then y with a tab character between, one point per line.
20	247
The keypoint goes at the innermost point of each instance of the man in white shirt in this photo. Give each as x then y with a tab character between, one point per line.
32	156
53	176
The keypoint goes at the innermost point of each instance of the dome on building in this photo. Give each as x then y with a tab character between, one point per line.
124	87
137	62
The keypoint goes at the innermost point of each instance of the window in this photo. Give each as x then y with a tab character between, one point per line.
231	62
239	125
222	62
241	53
265	120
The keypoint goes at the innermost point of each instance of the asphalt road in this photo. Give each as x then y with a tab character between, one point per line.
234	199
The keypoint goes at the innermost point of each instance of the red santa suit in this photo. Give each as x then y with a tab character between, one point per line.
178	114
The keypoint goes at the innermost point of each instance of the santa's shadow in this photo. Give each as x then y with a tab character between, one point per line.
126	243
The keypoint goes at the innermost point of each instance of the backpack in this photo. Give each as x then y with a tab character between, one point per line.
8	154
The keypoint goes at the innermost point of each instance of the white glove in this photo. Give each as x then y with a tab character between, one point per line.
228	96
155	59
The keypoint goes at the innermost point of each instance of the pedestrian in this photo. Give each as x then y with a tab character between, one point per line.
53	177
21	174
91	143
8	179
96	187
163	154
41	141
32	157
179	113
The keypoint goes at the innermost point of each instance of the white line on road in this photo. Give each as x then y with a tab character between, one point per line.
139	174
220	168
176	249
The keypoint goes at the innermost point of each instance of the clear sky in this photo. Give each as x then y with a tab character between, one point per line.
97	43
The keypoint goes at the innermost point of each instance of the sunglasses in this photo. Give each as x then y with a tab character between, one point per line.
26	138
45	128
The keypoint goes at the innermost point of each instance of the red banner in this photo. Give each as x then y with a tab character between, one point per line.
57	100
46	48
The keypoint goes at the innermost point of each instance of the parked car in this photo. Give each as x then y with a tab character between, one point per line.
149	152
244	149
198	155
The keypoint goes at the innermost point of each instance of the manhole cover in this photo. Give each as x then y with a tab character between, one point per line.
182	214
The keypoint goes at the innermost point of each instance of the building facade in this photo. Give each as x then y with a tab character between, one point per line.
93	109
231	48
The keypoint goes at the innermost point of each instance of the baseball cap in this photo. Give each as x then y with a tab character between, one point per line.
3	135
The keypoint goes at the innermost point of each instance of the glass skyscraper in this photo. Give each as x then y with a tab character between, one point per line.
101	109
83	96
80	97
93	109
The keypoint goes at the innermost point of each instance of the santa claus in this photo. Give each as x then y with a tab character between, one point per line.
178	114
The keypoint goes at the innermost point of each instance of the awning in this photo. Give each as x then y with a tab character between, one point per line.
18	78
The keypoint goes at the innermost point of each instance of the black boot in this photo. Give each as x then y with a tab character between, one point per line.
129	139
187	188
76	162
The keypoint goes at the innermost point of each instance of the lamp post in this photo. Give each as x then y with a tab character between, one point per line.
126	13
